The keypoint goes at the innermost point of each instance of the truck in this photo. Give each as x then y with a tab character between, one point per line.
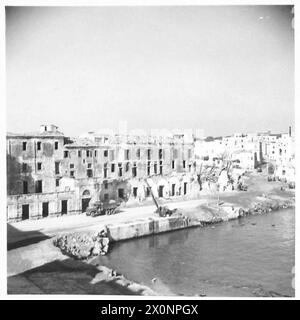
98	208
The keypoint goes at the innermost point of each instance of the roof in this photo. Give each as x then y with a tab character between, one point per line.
81	143
28	135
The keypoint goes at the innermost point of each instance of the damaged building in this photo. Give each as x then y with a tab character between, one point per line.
49	174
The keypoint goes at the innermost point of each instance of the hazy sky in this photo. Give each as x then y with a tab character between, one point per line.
223	69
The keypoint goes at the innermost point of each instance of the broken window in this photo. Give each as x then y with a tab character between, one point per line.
173	190
39	145
184	188
79	153
134	170
127	167
72	173
56	167
134	191
89	173
57	182
89	165
160	167
39	166
121	193
149	168
66	154
120	169
25	187
160	153
147	192
71	165
24	145
24	167
38	186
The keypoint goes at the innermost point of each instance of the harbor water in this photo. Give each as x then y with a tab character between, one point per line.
252	256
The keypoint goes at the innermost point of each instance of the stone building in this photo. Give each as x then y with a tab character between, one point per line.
49	174
32	178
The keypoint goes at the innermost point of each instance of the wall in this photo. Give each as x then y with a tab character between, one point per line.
144	227
35	202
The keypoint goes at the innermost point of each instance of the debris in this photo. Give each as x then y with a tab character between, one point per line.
82	246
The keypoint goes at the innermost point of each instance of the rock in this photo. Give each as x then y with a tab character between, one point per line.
97	249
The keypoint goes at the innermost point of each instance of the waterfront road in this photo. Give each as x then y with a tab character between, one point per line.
24	232
20	232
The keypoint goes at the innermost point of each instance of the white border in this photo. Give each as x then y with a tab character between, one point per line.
3	252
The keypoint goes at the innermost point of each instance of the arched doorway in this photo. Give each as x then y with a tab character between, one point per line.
86	198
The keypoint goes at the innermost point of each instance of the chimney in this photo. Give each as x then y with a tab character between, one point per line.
43	128
47	127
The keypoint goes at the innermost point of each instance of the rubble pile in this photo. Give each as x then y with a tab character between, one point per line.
82	246
268	206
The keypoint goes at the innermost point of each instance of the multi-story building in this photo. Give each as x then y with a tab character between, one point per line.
249	151
32	173
49	174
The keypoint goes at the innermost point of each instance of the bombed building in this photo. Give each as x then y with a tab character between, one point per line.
49	174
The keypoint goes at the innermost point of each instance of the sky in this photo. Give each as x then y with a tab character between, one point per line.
223	69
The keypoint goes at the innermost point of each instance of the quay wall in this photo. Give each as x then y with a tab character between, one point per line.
145	227
84	245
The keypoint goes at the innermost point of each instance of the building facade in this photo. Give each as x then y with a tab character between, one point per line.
49	174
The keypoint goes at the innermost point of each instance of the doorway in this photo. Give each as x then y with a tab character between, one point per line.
84	204
160	191
121	193
25	211
45	211
64	206
184	188
173	190
135	189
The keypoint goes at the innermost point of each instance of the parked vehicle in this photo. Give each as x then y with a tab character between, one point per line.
98	208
